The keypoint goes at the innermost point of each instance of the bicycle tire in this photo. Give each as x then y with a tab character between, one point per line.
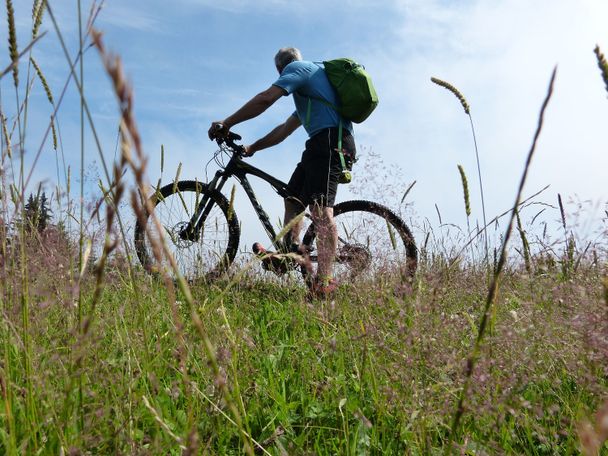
208	262
398	254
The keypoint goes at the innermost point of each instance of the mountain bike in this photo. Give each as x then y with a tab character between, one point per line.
202	230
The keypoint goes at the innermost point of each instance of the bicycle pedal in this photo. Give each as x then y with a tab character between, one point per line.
275	264
271	261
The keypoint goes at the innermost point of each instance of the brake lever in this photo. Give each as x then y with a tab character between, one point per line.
229	141
238	148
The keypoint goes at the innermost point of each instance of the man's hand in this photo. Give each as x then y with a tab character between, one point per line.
248	151
218	130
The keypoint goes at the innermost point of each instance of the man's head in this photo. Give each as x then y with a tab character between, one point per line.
285	56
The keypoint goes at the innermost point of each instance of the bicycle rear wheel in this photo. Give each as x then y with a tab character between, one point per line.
204	254
372	240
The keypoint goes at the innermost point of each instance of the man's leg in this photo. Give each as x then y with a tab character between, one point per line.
292	210
277	263
292	239
327	239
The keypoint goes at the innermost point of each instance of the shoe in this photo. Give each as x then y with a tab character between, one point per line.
272	261
322	288
302	259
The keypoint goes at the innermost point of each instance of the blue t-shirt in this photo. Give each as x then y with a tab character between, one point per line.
308	80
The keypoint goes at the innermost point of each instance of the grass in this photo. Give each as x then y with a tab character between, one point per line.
373	372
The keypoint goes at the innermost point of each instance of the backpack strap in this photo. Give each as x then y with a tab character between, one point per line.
340	128
309	108
342	161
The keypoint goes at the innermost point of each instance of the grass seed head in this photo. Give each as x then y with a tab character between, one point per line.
162	158
524	242
455	91
12	40
7	138
561	210
601	62
54	132
465	189
37	12
45	85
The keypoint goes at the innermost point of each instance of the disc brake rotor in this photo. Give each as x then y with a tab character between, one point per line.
177	236
357	256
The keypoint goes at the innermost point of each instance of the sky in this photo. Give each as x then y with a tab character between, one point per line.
191	62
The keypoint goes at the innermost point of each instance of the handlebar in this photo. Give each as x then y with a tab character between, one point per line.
229	141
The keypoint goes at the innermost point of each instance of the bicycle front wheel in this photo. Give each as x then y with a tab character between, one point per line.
206	253
372	240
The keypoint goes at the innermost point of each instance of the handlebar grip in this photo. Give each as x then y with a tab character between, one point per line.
229	135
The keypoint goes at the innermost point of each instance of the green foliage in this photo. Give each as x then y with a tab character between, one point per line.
37	212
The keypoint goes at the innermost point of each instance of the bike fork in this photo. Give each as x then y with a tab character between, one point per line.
192	231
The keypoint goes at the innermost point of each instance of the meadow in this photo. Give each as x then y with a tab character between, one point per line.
495	346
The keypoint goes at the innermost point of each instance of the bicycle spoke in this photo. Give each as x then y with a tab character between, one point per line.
196	253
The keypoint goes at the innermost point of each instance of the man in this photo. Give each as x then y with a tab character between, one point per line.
315	178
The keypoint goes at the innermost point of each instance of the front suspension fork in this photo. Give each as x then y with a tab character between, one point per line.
193	230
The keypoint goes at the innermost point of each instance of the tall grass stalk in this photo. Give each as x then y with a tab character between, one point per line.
14	57
81	217
82	150
562	214
569	244
467	110
525	246
467	200
12	41
407	191
473	357
6	376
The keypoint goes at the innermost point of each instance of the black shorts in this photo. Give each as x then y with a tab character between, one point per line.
315	179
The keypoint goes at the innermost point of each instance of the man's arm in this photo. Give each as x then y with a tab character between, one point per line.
253	108
277	135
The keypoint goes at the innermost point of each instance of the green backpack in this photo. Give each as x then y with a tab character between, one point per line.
354	88
356	95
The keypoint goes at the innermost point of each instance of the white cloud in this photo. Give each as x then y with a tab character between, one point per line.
129	17
500	55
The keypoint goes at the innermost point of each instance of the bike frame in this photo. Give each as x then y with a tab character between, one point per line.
239	169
